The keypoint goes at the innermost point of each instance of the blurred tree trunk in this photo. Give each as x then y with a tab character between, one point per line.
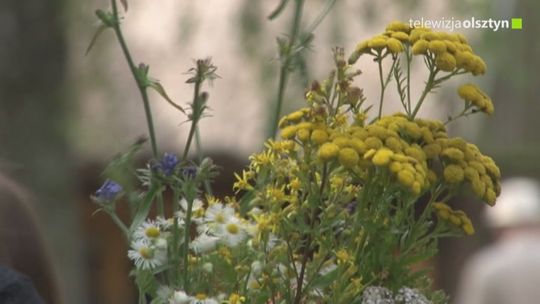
32	126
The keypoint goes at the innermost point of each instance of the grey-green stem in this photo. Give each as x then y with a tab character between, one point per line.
140	85
285	66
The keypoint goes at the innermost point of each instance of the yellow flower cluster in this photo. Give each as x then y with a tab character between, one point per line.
236	299
473	94
305	125
396	143
408	149
391	142
464	163
393	39
457	218
450	51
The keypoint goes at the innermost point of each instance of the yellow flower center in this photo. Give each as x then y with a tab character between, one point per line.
152	232
233	228
220	218
146	253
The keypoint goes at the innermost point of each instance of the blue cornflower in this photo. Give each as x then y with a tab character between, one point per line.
168	163
351	207
189	171
108	191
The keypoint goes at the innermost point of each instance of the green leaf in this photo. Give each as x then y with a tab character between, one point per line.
146	282
321	16
327	279
144	208
161	91
107	18
276	12
415	258
121	167
98	32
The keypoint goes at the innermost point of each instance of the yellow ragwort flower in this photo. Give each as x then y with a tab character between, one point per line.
445	62
398	26
288	132
319	136
378	42
328	151
394	46
348	157
405	177
437	47
420	47
453	174
382	157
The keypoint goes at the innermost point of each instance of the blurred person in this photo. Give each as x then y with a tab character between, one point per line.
508	272
26	274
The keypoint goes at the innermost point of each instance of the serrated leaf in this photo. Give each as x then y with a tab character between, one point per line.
98	32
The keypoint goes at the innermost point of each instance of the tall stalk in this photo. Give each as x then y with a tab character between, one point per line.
286	64
134	71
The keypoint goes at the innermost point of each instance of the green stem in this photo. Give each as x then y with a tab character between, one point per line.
463	113
300	280
198	147
307	250
427	89
134	72
409	58
379	63
384	83
284	71
187	236
142	296
176	234
195	118
118	222
160	205
189	140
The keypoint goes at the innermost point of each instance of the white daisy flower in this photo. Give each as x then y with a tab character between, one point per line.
148	230
164	223
180	217
217	216
218	213
256	268
180	297
255	211
204	301
232	232
197	205
161	244
164	293
197	211
204	243
146	256
208	267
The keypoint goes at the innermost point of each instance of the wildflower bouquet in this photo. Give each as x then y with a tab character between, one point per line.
340	209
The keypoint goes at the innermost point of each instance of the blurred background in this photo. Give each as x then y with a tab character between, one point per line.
63	115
